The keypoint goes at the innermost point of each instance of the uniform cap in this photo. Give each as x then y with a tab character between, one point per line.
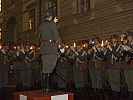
96	38
115	36
48	13
129	33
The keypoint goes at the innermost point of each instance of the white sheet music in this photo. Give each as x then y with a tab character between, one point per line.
60	97
23	97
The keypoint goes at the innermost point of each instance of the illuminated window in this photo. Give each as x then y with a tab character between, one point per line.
32	19
0	5
52	5
83	6
0	33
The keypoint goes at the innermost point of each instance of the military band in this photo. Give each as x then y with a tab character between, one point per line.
104	62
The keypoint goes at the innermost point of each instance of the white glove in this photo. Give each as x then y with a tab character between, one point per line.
55	19
94	48
77	53
109	47
127	48
17	53
72	48
62	50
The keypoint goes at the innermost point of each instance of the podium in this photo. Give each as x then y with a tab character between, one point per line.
39	95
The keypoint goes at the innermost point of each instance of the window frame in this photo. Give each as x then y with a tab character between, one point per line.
83	3
0	5
53	7
12	1
32	17
0	33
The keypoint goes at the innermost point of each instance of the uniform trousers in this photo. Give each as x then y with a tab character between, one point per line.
129	79
96	78
114	79
3	75
49	62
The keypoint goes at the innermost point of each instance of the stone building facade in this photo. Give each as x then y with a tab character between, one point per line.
78	19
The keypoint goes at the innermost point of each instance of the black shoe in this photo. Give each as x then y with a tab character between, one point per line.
112	95
130	97
115	96
48	81
98	92
102	94
17	87
1	94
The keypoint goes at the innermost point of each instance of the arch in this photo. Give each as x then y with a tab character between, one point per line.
11	29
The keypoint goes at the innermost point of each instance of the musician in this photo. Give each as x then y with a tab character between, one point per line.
79	66
95	66
114	65
35	64
128	66
3	67
70	73
62	67
29	57
19	67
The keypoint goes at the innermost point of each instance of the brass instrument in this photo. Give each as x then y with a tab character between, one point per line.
129	57
28	60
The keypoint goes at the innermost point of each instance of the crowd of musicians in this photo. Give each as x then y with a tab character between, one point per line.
108	63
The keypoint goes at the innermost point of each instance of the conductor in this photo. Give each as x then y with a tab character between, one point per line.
50	39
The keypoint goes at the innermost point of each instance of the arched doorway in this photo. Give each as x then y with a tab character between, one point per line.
11	30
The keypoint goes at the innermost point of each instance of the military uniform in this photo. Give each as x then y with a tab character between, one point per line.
36	68
114	70
114	67
128	67
70	72
79	68
62	67
3	68
128	70
29	58
49	50
19	68
96	68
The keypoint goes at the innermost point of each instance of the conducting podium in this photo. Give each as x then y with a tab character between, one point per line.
39	95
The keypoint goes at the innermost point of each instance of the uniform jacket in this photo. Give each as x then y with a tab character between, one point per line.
48	31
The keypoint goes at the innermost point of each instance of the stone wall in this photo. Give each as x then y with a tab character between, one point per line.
104	18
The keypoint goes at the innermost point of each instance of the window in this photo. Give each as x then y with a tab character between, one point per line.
32	19
83	6
12	1
0	5
0	33
52	5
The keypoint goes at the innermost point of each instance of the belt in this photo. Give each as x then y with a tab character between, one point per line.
95	60
49	41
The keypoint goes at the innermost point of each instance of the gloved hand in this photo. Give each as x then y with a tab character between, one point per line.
55	19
